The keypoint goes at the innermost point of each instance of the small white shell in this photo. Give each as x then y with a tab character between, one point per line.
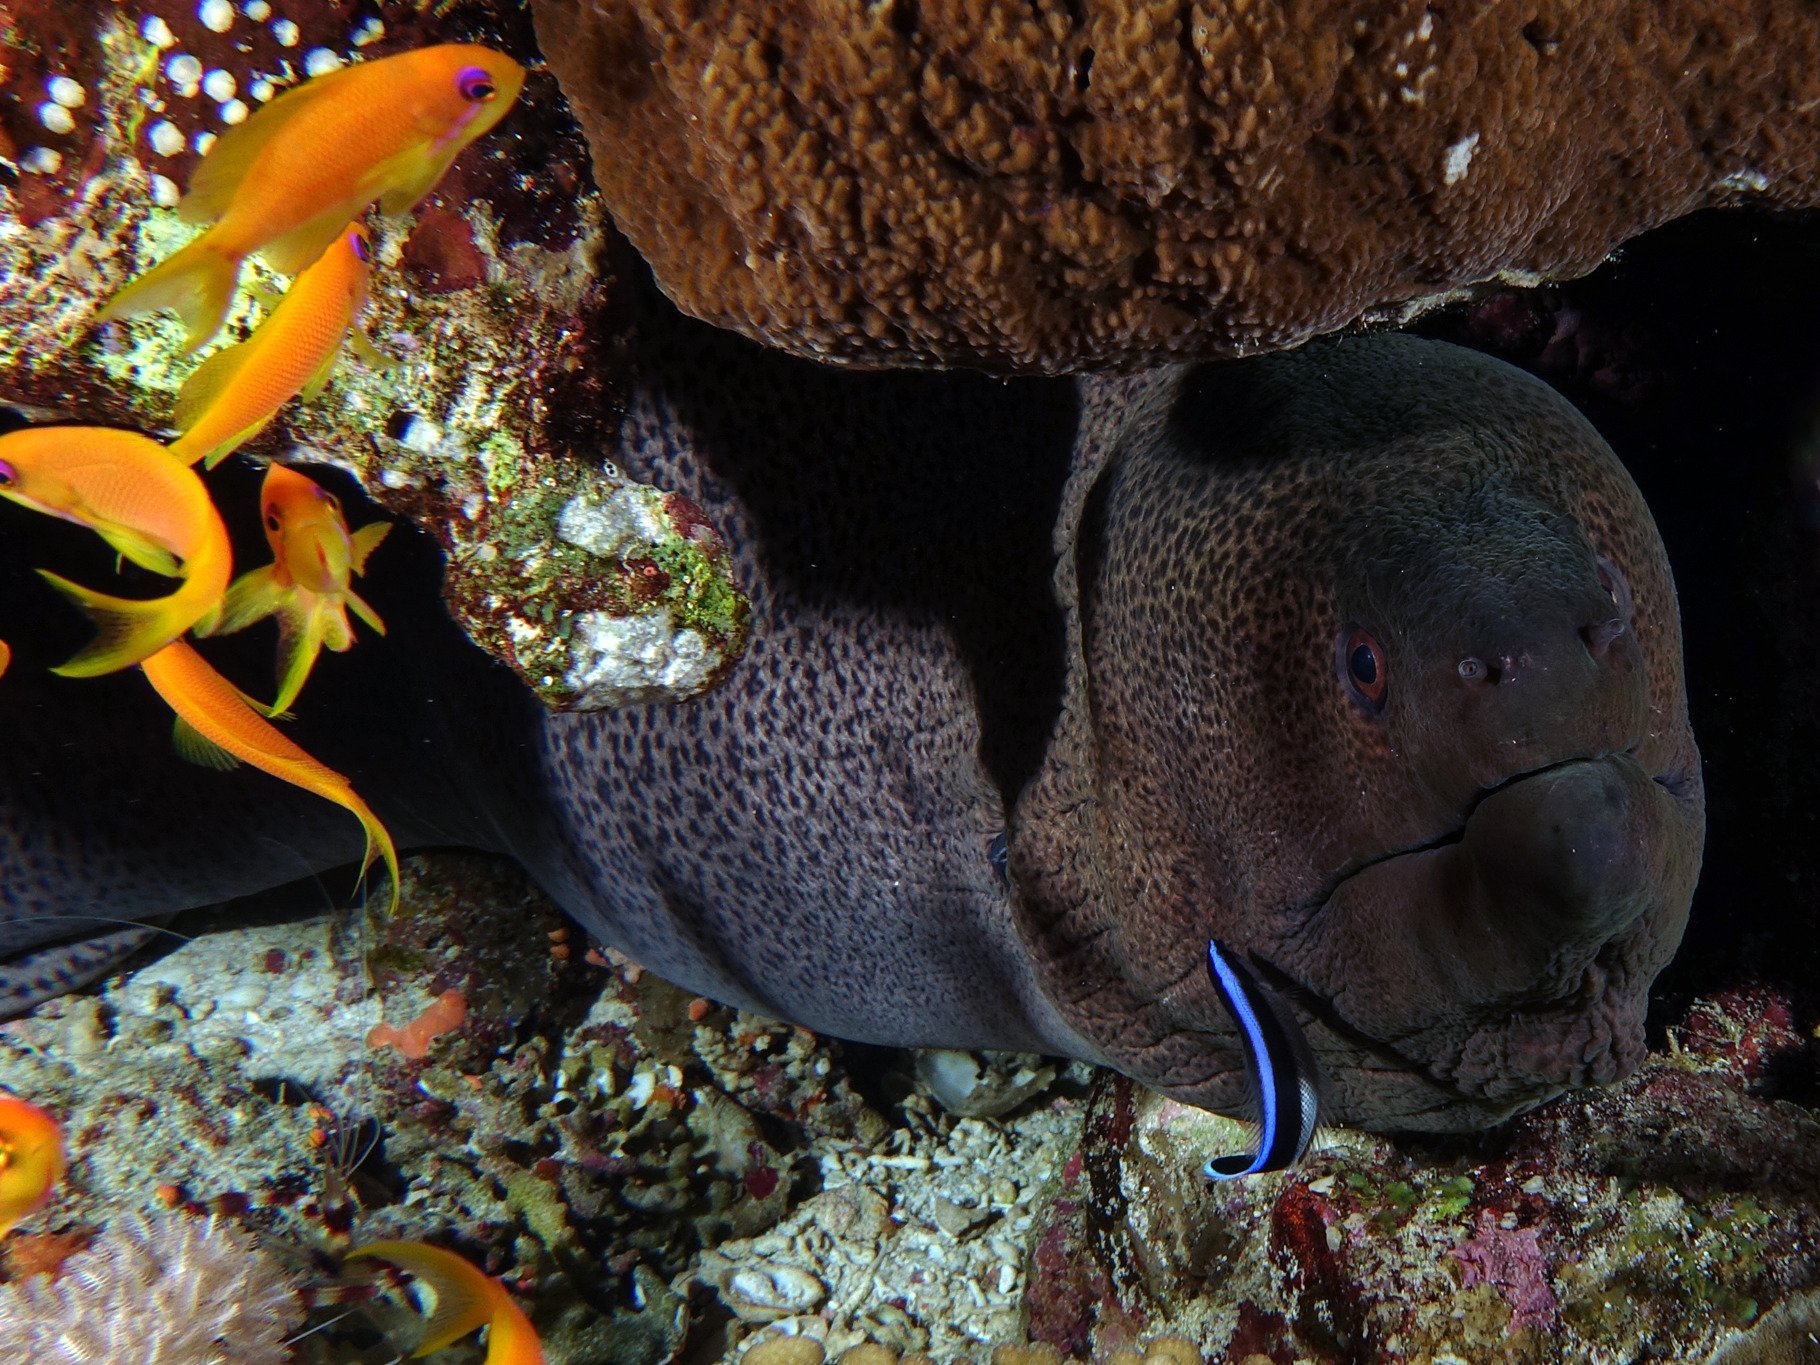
764	1292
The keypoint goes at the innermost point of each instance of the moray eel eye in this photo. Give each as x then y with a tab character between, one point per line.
475	85
1363	668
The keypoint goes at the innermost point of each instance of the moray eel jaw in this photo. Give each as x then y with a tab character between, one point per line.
1521	951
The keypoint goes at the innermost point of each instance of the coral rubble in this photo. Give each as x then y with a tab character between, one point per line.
650	1171
1640	1223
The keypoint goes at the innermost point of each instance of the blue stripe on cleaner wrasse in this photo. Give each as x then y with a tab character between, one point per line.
1278	1065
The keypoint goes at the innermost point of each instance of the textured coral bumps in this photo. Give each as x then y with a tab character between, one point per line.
1047	185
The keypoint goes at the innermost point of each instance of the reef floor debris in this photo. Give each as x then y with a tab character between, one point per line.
654	1174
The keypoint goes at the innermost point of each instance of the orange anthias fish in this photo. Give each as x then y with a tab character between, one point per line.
31	1159
306	586
238	390
152	509
286	181
466	1299
219	726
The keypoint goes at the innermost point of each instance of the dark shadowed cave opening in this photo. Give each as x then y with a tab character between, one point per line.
1692	351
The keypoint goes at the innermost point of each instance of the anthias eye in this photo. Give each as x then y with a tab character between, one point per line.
475	85
359	248
1363	667
8	475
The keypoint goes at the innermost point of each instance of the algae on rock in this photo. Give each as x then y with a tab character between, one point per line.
494	301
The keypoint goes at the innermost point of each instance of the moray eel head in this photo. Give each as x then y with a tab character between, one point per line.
1380	684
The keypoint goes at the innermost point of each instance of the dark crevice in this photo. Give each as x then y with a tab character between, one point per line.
1070	171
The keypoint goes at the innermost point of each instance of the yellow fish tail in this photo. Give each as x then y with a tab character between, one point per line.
379	845
127	630
300	635
466	1299
198	282
201	391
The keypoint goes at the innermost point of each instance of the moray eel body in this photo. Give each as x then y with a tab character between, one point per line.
1050	684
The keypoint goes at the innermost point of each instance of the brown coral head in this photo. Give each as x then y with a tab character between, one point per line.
1382	685
1045	185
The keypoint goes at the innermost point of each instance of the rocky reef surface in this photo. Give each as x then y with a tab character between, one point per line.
661	1178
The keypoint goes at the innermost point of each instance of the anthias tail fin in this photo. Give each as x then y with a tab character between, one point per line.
126	630
198	282
463	1301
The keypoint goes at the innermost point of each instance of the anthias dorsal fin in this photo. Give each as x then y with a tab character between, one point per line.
218	176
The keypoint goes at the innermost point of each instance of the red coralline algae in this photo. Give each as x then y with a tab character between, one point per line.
1512	1261
1741	1033
445	1013
1330	1312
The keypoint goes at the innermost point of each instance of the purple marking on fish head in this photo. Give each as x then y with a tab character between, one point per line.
475	84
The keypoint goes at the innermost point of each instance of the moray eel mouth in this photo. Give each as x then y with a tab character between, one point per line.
1508	960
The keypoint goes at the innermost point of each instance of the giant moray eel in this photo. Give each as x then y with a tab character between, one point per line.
1048	684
